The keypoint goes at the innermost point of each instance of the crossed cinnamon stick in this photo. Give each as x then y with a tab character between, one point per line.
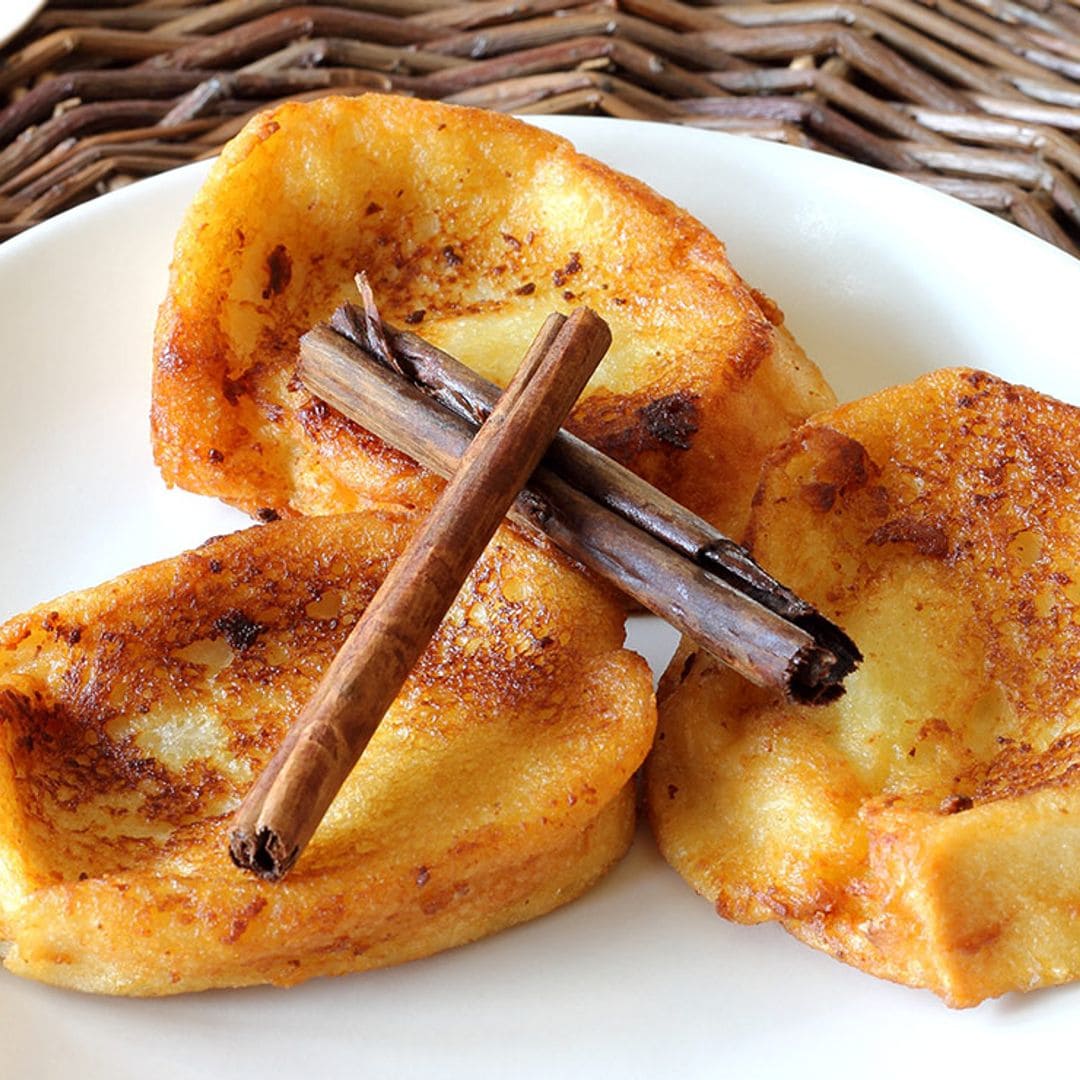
290	797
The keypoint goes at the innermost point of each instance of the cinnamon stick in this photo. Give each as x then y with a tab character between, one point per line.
286	804
723	614
591	472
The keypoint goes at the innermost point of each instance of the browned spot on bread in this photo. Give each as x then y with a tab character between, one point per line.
573	266
926	537
820	496
278	272
238	629
672	420
669	421
242	919
841	460
955	804
234	389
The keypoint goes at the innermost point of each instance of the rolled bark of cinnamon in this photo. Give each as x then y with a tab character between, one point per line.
602	479
291	796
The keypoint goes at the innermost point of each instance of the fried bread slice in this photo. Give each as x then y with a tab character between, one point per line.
134	716
925	827
471	227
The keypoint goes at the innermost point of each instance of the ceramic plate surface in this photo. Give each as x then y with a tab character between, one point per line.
15	14
880	280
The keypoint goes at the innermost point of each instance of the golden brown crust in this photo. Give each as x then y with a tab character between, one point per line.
133	717
472	227
917	828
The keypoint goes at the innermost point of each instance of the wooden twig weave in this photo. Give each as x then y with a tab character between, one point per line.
979	98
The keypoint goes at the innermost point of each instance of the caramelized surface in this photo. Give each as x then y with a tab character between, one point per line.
135	715
924	827
472	227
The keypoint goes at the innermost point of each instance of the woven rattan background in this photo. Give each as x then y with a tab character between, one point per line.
980	98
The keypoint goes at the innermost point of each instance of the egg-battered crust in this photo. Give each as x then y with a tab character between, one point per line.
135	715
471	227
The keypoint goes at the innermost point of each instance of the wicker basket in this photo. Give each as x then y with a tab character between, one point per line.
979	98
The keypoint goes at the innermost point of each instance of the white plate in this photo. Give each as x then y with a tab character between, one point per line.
15	14
881	280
